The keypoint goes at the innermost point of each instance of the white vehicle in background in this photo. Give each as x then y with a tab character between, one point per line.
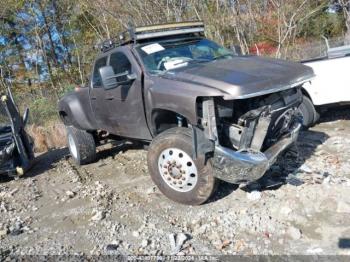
331	85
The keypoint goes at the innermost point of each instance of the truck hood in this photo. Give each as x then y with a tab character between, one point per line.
244	77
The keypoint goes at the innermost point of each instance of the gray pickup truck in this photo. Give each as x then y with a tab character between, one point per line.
206	112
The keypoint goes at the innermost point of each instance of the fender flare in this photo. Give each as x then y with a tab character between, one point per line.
72	113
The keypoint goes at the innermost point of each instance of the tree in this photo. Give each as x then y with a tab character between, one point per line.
49	44
345	4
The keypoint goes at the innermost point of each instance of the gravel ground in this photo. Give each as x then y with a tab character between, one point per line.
301	206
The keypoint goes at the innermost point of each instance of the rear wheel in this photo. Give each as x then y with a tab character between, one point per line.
175	172
307	109
81	145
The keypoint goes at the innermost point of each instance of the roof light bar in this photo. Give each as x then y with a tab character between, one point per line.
168	26
169	33
152	31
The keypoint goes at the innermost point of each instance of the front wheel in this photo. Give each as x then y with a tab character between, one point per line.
307	109
81	145
177	175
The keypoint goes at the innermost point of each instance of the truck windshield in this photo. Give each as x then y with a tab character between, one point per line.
167	55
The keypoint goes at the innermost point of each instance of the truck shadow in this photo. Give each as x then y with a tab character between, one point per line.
284	171
117	147
332	113
47	161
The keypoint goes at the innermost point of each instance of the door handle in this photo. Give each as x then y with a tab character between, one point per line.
93	98
110	98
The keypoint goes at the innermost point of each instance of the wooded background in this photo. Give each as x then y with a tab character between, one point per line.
47	47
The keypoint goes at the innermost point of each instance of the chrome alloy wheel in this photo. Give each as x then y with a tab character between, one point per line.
178	169
72	146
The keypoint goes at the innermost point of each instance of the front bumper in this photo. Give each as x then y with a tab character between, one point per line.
247	166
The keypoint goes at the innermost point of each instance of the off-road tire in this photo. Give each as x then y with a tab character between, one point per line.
85	147
181	138
310	115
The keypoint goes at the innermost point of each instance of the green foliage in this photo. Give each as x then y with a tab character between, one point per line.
42	111
42	105
323	24
68	88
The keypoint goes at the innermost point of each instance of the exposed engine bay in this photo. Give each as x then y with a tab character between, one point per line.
257	123
250	134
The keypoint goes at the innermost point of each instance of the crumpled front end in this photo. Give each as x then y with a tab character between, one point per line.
248	166
250	134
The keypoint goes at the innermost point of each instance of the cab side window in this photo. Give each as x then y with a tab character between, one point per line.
96	78
120	64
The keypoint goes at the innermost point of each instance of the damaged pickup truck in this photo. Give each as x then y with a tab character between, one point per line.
207	112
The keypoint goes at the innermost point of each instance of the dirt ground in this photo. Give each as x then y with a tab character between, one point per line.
301	206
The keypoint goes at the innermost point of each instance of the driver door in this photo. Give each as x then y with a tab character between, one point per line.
120	110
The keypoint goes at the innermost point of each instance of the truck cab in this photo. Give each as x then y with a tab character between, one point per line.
115	104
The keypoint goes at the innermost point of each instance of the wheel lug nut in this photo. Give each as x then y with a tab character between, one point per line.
180	182
168	178
183	178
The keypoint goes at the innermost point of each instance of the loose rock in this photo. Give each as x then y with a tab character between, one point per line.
135	234
294	233
305	168
144	243
111	247
254	195
99	215
70	194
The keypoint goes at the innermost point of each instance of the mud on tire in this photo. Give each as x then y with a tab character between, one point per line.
81	145
171	153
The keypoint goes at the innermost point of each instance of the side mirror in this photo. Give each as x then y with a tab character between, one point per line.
25	117
108	78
